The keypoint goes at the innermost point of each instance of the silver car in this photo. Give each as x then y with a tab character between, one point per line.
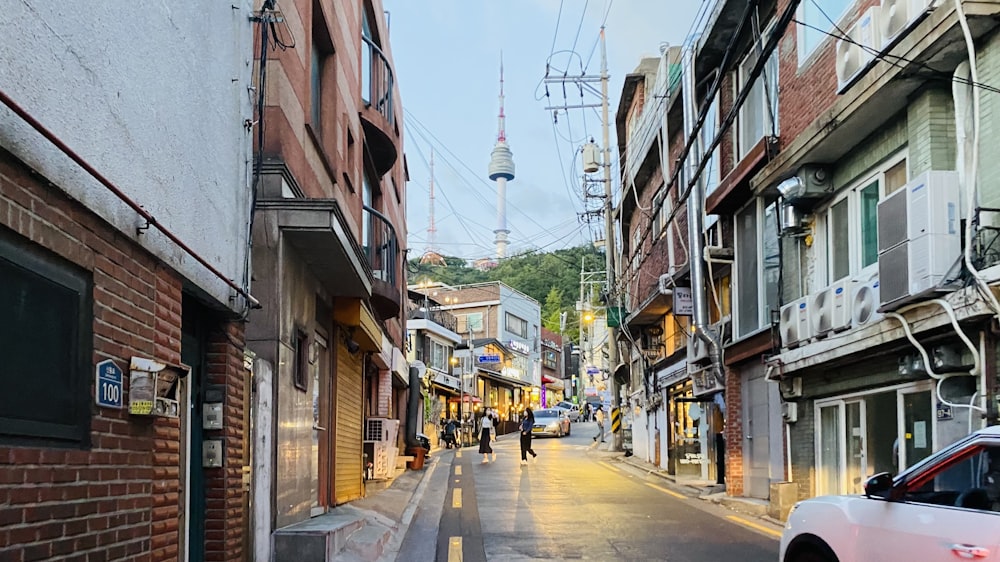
572	410
552	422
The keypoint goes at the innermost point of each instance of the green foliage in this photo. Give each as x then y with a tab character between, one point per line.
551	278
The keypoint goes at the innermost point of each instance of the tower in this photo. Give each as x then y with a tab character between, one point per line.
431	254
501	171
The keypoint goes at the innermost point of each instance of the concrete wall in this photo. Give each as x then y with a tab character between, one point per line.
152	95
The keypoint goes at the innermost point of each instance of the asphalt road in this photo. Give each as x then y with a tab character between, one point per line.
572	503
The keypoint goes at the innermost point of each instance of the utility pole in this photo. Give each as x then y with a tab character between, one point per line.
609	238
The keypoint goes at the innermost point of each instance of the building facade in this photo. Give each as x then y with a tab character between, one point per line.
848	224
328	223
431	339
125	193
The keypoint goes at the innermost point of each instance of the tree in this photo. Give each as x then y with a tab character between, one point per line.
552	309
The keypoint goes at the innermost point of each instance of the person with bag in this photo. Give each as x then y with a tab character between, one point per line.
600	423
527	423
486	436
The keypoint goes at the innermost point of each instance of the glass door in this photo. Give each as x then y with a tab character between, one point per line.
829	452
916	413
857	451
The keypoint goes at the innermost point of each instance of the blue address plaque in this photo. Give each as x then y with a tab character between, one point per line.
109	390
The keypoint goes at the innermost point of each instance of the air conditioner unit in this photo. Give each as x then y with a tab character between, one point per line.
703	381
697	351
919	236
865	301
831	308
790	388
380	442
858	49
794	323
790	412
897	16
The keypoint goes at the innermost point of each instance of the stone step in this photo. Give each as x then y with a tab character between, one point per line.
368	542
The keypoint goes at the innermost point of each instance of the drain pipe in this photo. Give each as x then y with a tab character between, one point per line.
413	405
696	217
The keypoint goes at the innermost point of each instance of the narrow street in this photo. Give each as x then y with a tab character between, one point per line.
573	502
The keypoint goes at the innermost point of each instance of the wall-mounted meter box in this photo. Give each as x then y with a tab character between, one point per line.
211	453
153	387
211	416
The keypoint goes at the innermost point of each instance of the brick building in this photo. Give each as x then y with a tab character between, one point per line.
863	119
123	244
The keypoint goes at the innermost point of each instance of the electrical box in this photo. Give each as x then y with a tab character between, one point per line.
211	453
591	158
211	416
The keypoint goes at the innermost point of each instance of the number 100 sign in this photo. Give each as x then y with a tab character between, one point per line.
109	389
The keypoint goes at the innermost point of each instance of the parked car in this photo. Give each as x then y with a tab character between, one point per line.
945	507
552	422
572	410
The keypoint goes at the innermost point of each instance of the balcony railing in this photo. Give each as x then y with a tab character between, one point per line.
381	246
440	317
377	80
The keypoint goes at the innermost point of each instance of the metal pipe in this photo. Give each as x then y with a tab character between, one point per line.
52	138
696	215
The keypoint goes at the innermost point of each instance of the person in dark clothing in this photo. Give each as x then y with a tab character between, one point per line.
486	436
450	427
527	422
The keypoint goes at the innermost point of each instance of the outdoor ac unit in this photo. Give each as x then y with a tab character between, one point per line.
858	49
865	301
790	388
790	412
794	323
697	351
703	381
831	309
896	16
919	236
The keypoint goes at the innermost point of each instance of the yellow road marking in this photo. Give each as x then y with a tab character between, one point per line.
458	454
666	491
752	525
606	465
458	470
456	498
455	549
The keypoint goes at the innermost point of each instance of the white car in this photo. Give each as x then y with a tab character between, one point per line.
572	410
946	507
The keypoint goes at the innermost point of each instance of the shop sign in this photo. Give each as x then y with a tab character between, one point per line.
683	303
519	346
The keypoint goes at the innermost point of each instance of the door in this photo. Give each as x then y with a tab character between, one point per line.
756	446
854	438
193	355
917	418
828	450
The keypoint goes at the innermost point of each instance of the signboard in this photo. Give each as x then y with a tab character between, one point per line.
519	346
109	390
683	303
591	370
490	358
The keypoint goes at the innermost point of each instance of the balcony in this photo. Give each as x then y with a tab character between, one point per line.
381	251
378	117
440	317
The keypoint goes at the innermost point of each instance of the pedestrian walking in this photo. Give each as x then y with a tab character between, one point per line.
527	422
586	411
486	435
600	423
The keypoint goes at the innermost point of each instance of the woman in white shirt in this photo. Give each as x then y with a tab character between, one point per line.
485	436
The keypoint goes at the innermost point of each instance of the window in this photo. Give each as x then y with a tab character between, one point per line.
972	482
439	356
517	326
472	321
758	115
658	215
549	359
850	222
320	56
300	366
713	169
316	86
817	20
758	264
366	59
47	344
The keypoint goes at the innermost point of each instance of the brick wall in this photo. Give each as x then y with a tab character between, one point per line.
734	432
119	499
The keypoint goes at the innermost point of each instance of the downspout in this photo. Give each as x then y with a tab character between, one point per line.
696	217
413	408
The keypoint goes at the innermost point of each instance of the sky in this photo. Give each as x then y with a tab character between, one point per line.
447	56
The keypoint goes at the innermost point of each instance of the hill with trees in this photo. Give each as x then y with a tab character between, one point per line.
551	278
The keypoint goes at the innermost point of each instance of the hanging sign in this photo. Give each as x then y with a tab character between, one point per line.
683	303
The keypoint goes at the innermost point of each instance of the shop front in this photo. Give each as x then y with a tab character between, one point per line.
694	429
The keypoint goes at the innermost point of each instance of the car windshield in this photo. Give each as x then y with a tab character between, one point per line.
567	405
547	414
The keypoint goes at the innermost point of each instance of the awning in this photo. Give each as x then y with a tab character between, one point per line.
492	375
352	313
467	398
554	384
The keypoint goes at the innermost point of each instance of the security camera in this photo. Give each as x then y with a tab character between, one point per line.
353	346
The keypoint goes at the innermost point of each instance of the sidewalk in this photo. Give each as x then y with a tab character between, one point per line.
703	490
373	528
